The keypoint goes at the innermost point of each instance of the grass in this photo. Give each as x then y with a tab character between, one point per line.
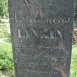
73	68
6	47
6	58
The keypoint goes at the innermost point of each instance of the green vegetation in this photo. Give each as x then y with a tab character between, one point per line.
73	71
6	57
5	32
3	8
75	14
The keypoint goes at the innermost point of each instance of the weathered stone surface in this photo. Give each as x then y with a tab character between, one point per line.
41	37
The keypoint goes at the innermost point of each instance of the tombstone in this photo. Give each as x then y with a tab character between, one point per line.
41	37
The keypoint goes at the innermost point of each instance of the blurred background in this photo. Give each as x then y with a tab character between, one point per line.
6	56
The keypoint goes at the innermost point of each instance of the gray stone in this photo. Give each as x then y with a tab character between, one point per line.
41	37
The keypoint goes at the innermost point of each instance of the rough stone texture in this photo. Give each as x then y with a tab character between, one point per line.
41	37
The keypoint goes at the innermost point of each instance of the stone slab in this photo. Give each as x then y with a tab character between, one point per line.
41	37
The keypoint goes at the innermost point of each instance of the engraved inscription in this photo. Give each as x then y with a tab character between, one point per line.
37	61
40	33
51	2
40	28
19	32
54	20
26	1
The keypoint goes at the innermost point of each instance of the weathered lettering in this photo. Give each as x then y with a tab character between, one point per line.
41	36
41	33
